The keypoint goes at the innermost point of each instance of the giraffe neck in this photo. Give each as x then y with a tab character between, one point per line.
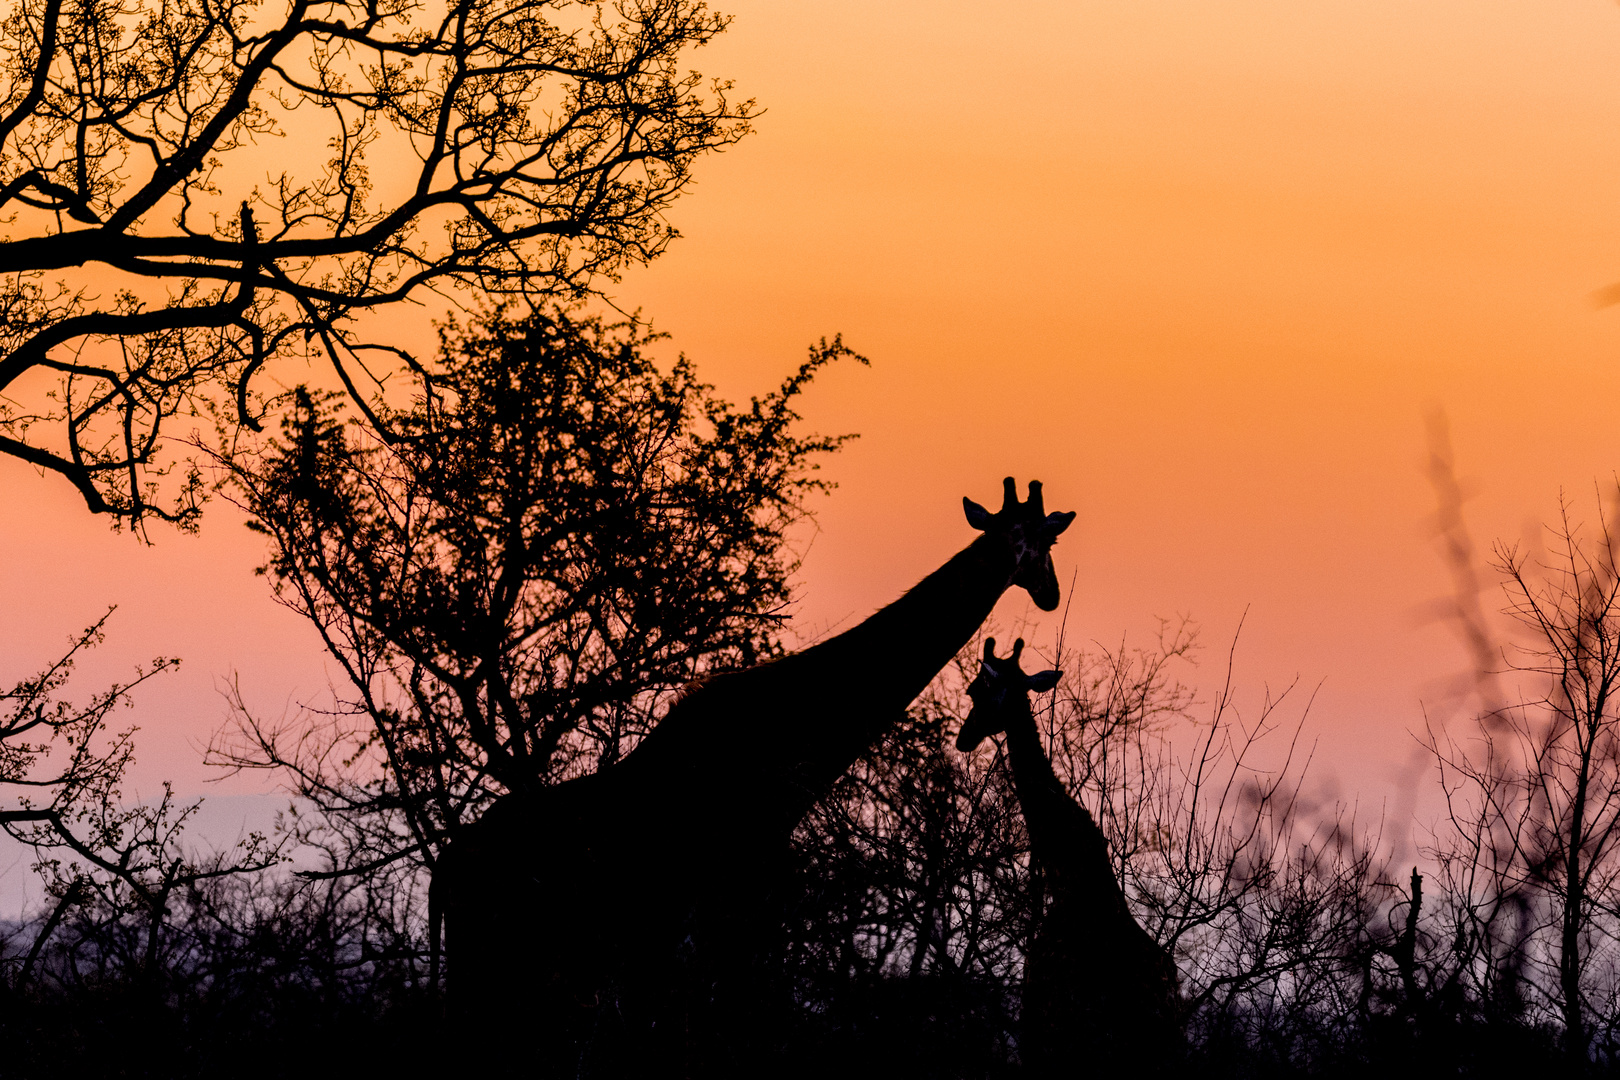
896	652
781	734
1063	838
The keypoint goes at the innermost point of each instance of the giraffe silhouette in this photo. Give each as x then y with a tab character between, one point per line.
1100	995
617	919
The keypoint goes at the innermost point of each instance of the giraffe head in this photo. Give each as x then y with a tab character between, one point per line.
1031	532
1000	688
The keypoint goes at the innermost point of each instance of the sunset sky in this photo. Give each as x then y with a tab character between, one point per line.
1202	268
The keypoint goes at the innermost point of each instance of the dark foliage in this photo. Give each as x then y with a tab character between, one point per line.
909	905
563	537
255	977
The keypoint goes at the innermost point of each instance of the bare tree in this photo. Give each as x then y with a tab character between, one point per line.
1534	792
62	770
162	251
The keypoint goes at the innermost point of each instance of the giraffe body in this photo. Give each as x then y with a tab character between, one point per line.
1100	995
631	905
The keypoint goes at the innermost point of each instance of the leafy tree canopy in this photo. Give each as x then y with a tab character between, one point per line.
560	536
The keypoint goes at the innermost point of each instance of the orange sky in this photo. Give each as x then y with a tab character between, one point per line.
1200	267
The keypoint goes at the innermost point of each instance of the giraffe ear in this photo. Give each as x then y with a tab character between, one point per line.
977	516
1042	681
1056	523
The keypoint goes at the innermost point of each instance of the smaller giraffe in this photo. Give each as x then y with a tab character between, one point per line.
1100	995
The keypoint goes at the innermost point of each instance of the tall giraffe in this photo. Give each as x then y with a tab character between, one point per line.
1100	995
617	915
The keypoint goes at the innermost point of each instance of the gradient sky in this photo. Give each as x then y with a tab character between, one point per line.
1202	268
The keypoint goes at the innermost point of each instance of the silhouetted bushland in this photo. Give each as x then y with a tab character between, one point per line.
265	975
908	908
910	902
62	771
97	970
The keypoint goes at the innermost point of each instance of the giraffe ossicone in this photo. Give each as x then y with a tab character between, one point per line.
1030	531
